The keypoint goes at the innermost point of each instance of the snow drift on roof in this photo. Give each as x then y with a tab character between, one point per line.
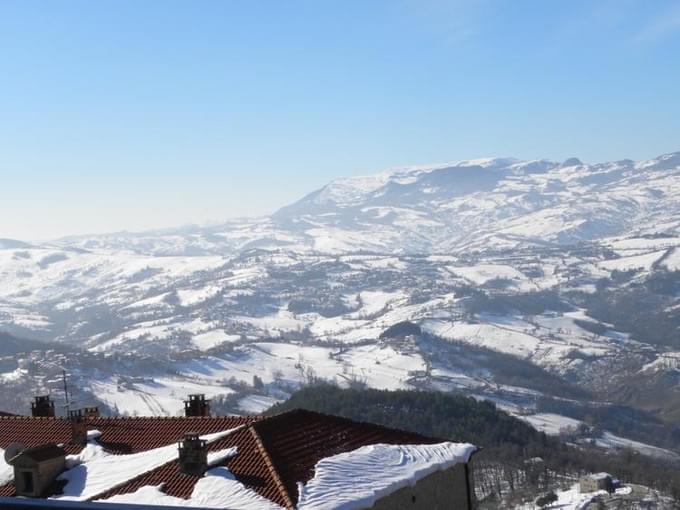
217	489
94	471
350	480
6	471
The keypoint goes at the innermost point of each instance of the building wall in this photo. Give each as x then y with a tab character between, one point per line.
49	470
43	473
590	485
442	490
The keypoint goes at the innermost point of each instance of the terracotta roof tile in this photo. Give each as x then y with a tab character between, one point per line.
274	453
130	435
297	440
248	466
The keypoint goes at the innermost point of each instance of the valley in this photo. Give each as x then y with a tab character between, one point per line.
515	282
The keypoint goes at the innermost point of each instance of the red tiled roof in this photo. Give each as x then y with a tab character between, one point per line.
274	453
248	466
297	440
119	435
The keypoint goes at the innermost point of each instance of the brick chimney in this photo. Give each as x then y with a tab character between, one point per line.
42	406
78	426
197	405
193	455
91	412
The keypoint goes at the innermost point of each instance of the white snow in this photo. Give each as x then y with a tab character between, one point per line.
190	297
636	262
217	489
379	366
573	499
161	396
256	404
94	471
483	273
609	440
545	340
6	471
552	424
210	339
351	481
570	499
672	263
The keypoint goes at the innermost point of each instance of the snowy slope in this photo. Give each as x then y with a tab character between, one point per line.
310	291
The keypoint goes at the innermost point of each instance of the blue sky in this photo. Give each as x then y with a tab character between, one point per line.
130	115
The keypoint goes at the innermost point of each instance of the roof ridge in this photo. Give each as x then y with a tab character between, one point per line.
350	421
23	417
272	469
253	418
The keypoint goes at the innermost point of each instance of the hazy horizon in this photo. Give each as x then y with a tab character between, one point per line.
120	116
303	193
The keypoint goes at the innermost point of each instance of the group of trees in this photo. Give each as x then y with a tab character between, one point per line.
644	308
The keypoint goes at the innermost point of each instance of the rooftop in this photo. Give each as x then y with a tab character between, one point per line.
599	476
269	456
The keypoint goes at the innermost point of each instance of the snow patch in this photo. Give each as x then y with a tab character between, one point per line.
93	471
350	480
217	489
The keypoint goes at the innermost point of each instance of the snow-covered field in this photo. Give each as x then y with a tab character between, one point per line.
153	396
552	424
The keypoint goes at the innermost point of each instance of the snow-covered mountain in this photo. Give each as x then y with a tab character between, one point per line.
465	276
476	205
492	203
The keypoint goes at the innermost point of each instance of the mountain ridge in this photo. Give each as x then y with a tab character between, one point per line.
475	204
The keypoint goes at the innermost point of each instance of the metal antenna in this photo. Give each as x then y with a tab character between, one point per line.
68	405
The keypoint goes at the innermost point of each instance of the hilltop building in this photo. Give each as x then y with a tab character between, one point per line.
597	482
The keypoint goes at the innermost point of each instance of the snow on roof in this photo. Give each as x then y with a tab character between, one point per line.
94	471
599	476
266	458
217	489
357	479
6	471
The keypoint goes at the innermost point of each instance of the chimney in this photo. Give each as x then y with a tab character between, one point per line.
197	405
42	406
36	469
193	455
78	426
91	413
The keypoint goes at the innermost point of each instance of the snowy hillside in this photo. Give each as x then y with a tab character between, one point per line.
466	277
470	205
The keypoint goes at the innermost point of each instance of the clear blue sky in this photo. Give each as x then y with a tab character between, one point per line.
137	114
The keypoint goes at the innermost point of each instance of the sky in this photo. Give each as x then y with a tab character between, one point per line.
128	115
